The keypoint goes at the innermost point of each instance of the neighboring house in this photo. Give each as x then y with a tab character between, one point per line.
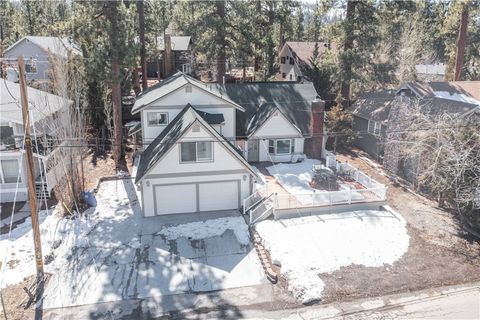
198	136
370	120
175	55
38	53
47	112
374	116
431	72
294	56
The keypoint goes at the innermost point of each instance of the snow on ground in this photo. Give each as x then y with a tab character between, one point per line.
205	229
113	253
296	178
308	246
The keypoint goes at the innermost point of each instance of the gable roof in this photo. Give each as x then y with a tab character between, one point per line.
179	43
55	45
460	91
265	111
303	51
172	133
293	100
373	105
42	104
173	83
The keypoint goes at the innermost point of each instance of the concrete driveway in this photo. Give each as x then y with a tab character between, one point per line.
120	255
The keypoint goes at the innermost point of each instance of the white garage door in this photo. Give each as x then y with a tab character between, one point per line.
181	198
218	196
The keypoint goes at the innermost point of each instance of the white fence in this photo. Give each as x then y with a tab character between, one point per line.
253	199
360	177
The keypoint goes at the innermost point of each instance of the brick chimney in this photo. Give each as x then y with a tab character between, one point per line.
167	55
314	144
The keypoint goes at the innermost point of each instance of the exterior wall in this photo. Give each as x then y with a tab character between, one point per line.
31	50
291	71
366	141
174	102
224	167
265	156
7	190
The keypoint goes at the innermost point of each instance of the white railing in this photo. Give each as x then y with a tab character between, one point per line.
263	210
253	199
360	177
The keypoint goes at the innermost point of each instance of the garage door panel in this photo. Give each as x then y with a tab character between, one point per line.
181	198
218	196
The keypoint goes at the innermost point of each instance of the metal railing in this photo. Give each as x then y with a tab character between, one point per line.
253	199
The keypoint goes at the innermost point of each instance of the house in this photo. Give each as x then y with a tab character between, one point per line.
294	56
38	53
47	112
373	112
198	138
175	54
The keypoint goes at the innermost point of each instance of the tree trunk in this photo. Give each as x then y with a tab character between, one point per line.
143	60
221	54
461	42
112	15
347	47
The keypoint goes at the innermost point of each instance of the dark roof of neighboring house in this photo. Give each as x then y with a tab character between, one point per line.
293	99
135	128
171	134
462	91
303	50
54	45
373	105
212	118
179	43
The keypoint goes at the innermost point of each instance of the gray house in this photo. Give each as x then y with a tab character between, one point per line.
38	53
373	112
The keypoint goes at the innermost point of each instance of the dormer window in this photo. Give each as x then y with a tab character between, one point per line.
156	119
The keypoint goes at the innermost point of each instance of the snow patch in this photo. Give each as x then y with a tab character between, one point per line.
456	97
308	246
207	229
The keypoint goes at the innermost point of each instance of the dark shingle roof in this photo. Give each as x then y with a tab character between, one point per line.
374	105
292	99
212	118
170	135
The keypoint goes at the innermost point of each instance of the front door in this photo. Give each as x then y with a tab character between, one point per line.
253	150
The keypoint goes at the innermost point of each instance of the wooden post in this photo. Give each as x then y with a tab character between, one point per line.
461	43
30	173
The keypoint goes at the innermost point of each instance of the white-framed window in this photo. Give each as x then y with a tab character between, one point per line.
30	66
10	169
280	146
155	119
201	151
374	127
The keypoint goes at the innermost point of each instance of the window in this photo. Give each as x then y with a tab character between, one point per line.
157	118
291	77
282	60
196	151
284	75
10	170
30	66
280	146
283	146
374	127
6	136
291	61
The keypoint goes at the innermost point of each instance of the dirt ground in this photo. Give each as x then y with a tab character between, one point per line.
440	252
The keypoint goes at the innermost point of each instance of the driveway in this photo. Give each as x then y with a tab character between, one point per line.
120	255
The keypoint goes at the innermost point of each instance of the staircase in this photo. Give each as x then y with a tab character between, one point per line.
262	209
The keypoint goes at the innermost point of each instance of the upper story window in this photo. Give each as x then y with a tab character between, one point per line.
6	137
30	66
282	60
284	75
157	119
291	60
201	151
280	146
10	171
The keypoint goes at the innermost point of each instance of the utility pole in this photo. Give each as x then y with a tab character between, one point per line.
30	177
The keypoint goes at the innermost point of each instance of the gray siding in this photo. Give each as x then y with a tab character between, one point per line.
31	50
366	141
